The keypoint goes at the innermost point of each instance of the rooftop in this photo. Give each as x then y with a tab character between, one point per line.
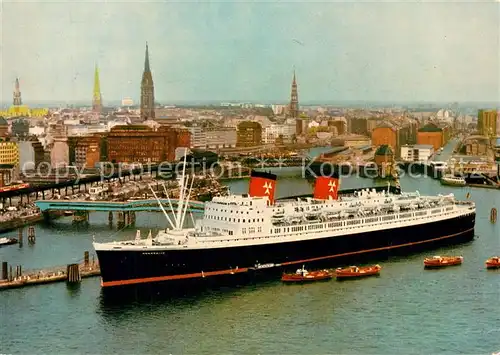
419	146
430	127
384	150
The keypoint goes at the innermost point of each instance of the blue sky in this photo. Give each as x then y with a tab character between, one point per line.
392	51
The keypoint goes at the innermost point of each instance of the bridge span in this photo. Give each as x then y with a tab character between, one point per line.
113	206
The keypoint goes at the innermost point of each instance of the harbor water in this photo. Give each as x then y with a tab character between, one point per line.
407	310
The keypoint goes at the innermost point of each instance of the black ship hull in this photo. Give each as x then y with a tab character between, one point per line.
204	266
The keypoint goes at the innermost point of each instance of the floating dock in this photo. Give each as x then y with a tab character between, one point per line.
71	273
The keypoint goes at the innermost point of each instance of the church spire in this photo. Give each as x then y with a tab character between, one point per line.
146	60
17	94
96	96
294	98
147	91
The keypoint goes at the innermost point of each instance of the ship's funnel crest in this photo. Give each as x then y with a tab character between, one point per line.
326	188
262	184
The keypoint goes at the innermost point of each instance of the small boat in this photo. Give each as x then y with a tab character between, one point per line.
7	241
442	261
68	213
355	272
302	275
493	262
453	180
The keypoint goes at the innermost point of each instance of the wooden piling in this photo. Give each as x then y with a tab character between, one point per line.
86	258
110	217
493	215
5	270
73	273
20	237
10	273
31	235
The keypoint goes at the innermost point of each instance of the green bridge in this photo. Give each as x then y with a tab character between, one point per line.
105	206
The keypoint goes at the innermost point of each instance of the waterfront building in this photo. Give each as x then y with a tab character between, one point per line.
417	152
143	144
31	154
147	91
6	174
476	145
371	124
340	125
96	95
220	137
385	133
4	127
85	151
282	131
57	144
356	125
249	134
384	159
9	152
487	122
431	134
198	137
59	152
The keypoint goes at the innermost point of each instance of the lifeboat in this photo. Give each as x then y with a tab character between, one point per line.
356	272
493	262
302	275
442	261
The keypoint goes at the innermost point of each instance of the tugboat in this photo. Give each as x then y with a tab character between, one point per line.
357	272
493	262
7	241
302	275
442	261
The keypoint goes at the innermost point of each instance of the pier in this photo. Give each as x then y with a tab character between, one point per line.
71	273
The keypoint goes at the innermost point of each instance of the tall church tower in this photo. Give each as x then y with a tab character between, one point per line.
97	97
147	91
17	94
294	101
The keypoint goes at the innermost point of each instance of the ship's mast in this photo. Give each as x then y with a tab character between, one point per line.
169	202
161	206
181	193
187	203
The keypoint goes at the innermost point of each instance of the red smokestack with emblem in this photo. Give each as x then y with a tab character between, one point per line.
326	188
262	184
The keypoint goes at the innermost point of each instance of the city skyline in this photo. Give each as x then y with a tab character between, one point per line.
220	52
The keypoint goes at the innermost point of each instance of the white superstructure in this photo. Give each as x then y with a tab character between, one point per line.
239	220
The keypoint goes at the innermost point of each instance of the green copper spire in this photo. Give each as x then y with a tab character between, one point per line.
97	98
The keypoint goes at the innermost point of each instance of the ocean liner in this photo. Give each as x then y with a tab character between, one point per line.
256	234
